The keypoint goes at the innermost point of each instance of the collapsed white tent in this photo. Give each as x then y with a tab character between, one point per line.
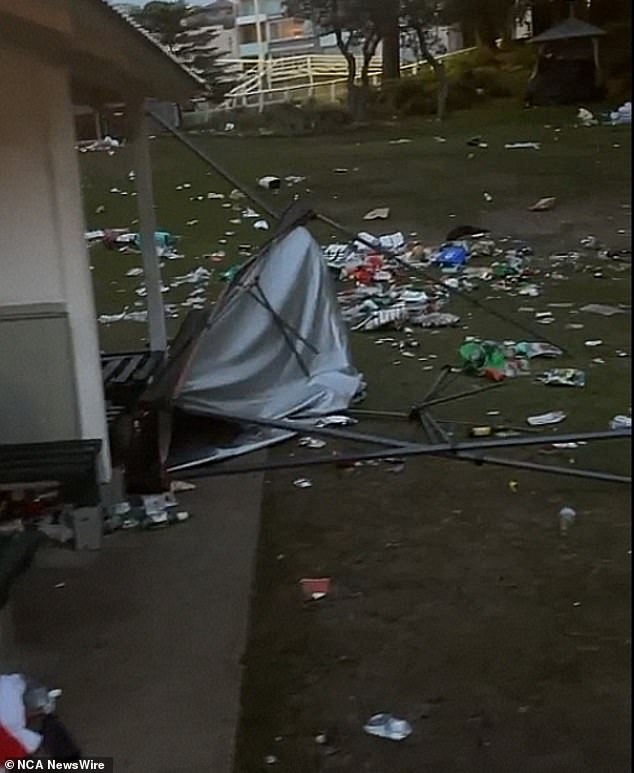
274	347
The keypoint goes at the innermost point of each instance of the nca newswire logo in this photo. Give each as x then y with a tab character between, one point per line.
103	764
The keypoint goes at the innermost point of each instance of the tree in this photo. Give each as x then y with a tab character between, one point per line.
194	44
353	26
173	24
162	19
482	21
418	17
385	18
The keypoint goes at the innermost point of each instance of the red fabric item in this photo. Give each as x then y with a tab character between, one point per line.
10	748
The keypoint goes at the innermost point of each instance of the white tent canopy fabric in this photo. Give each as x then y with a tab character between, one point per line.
275	346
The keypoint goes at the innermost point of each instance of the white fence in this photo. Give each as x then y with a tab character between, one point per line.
295	78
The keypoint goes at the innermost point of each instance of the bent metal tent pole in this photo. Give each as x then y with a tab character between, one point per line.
406	448
479	459
434	450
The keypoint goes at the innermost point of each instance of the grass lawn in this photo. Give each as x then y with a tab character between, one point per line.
456	603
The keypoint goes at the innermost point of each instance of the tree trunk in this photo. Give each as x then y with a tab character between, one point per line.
391	67
358	102
344	47
440	73
370	45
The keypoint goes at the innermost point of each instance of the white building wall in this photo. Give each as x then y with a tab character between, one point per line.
43	256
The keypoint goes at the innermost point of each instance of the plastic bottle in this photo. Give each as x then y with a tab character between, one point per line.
566	518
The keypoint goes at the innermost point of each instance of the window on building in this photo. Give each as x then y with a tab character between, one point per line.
247	33
286	28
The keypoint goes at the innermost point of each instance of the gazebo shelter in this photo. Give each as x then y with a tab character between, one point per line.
568	68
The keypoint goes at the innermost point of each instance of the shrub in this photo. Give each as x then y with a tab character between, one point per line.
409	96
326	118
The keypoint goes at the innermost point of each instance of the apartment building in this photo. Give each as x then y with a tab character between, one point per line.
264	29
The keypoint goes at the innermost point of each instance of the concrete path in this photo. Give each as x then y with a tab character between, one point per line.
146	636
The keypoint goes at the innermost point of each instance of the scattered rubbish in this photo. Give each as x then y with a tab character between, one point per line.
270	759
437	138
381	213
341	170
437	319
488	197
176	486
396	465
466	231
199	274
270	183
563	377
315	588
123	240
382	317
523	145
603	309
451	255
107	143
543	205
230	274
622	115
596	342
391	242
586	118
621	422
514	486
261	225
553	417
402	141
388	726
192	222
476	432
477	142
303	483
311	442
335	421
532	291
149	512
567	517
503	360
